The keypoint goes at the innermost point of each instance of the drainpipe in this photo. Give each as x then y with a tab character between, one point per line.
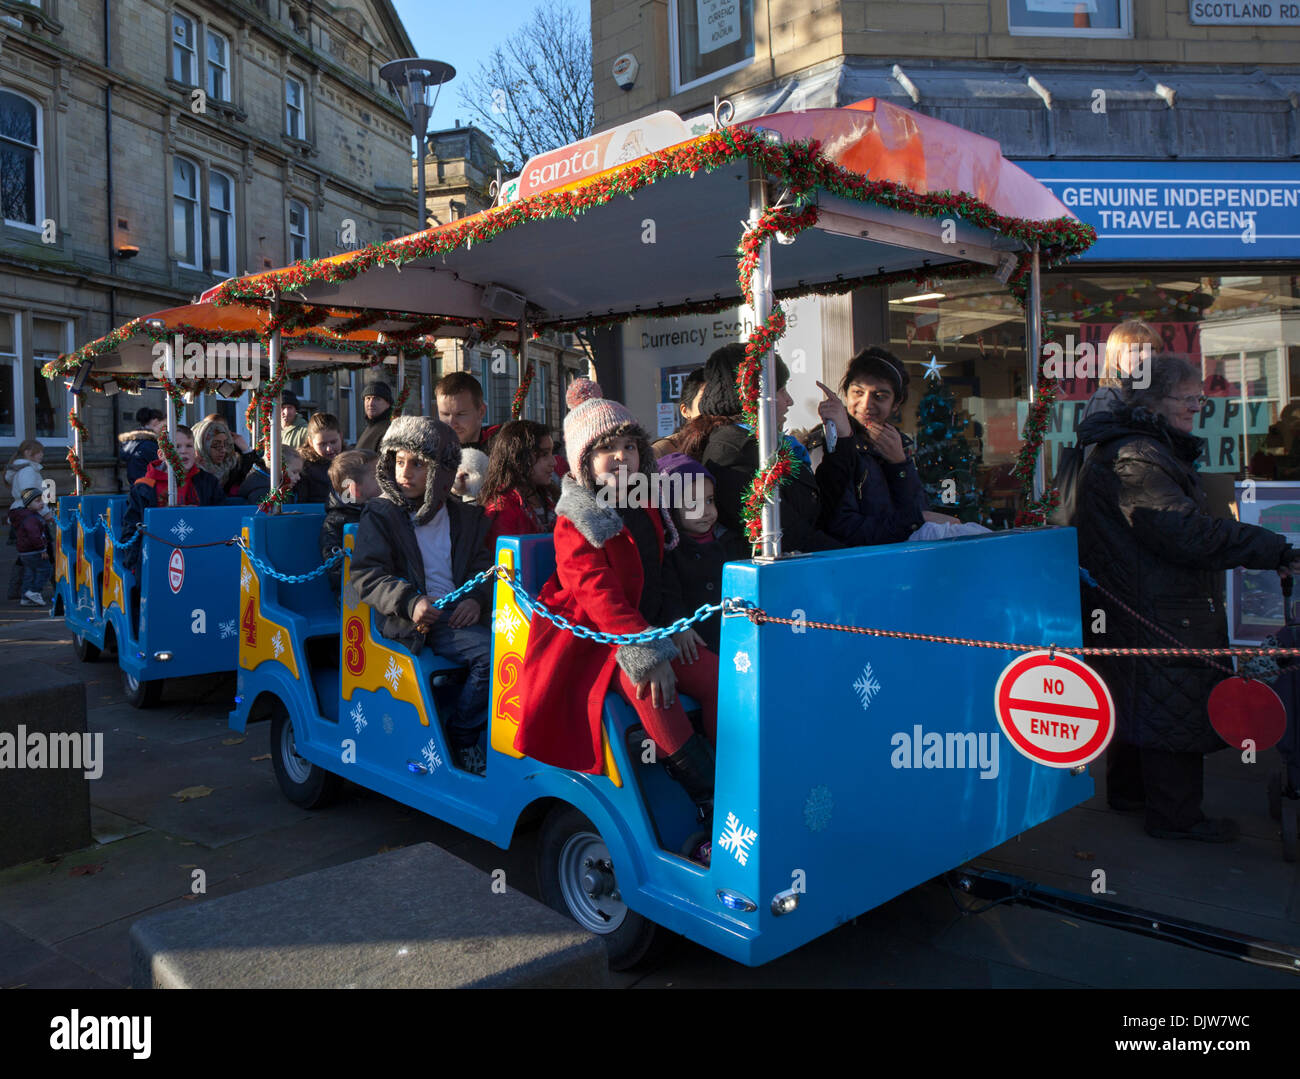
112	216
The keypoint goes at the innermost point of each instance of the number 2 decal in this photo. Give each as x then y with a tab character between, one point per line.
249	622
355	653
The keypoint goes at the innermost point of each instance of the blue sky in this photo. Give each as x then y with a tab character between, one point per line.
462	34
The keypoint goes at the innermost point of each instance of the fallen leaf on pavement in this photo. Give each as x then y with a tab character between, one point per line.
1084	855
84	870
192	792
231	741
263	757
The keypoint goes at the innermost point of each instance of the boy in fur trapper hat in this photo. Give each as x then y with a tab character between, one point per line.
415	545
611	575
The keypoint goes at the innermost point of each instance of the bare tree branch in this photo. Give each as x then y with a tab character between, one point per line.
534	92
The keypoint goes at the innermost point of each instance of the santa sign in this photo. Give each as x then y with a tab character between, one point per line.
1054	709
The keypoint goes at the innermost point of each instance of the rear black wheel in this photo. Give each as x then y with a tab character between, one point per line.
577	878
303	783
85	651
141	692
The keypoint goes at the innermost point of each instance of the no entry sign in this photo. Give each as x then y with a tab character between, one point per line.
176	570
1054	709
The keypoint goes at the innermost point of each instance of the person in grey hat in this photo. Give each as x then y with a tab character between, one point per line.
377	399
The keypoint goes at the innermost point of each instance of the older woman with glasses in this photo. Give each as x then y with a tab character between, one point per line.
1148	539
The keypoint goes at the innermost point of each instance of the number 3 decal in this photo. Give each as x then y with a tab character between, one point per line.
355	653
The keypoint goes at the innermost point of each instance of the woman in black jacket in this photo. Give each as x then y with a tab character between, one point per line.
1147	538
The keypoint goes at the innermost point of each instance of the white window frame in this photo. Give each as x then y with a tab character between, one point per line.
196	232
290	235
30	364
299	110
210	65
231	230
192	49
674	52
1125	30
38	167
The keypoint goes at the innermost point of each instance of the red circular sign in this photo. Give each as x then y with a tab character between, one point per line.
1241	710
1054	709
176	570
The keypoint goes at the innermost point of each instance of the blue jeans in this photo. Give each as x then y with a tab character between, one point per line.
471	645
37	570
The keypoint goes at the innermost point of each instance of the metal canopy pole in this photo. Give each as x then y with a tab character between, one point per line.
273	450
768	435
77	446
400	381
1033	350
523	351
173	487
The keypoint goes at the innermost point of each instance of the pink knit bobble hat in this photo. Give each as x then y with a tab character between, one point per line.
591	418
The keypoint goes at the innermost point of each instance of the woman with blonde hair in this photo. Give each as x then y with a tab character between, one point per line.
1129	349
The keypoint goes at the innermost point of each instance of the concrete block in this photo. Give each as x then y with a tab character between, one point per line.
45	798
412	918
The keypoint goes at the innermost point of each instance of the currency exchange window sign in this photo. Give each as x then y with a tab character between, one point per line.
710	38
1071	18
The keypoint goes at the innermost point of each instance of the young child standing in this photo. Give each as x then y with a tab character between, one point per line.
415	545
706	546
611	575
354	483
28	523
519	492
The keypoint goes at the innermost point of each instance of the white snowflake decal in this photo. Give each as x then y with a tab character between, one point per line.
227	629
430	755
388	723
866	687
358	717
742	662
181	530
277	644
245	578
737	838
144	554
508	623
393	675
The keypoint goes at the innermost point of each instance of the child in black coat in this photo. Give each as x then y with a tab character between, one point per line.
352	477
705	545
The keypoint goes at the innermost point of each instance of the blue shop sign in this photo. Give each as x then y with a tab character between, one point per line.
1151	210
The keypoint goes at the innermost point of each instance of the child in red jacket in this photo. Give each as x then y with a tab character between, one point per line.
518	494
611	576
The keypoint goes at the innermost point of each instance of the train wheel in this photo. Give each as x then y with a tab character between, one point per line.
303	783
86	652
1290	829
141	693
577	878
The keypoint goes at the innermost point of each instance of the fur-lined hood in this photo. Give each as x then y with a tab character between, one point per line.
143	435
431	440
597	522
203	432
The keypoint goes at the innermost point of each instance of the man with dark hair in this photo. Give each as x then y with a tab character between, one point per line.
293	428
461	406
377	399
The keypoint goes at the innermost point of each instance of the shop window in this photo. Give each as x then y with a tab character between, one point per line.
8	372
51	338
708	39
1070	18
21	196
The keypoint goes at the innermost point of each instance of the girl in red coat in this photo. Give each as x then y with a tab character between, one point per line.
518	494
611	576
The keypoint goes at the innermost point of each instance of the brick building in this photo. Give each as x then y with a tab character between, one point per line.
146	158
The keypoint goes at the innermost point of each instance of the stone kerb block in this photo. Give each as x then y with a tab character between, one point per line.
416	918
44	792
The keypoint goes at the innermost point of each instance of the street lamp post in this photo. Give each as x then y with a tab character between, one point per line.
413	81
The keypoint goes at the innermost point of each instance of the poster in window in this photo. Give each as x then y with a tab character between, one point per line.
1255	595
719	23
1062	7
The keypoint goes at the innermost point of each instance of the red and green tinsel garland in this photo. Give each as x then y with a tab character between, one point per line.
521	394
275	498
402	395
1034	511
74	462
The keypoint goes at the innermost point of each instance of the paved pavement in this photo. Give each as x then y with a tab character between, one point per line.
64	921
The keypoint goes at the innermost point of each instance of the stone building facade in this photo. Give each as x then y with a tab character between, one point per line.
180	143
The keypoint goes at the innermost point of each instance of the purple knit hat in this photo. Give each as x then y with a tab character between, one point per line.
673	463
592	418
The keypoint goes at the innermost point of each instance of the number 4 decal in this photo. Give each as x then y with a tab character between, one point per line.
249	622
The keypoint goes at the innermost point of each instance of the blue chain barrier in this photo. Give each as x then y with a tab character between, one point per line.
290	578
